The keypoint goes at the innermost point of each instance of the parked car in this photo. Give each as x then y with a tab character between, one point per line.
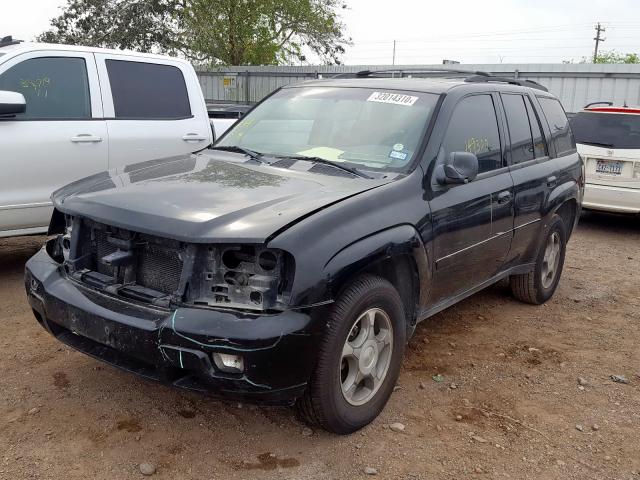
292	261
224	115
608	139
67	112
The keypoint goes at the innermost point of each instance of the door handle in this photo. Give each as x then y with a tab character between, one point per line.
86	138
504	197
552	181
193	137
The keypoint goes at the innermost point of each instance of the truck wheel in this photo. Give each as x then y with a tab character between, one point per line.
538	286
359	357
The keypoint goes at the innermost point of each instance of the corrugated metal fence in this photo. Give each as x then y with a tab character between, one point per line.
575	84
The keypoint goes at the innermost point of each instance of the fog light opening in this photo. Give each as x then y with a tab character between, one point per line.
229	363
256	297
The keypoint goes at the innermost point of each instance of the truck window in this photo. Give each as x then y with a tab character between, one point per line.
539	142
147	91
519	128
54	87
561	135
474	128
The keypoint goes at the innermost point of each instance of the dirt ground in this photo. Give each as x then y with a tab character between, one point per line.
510	405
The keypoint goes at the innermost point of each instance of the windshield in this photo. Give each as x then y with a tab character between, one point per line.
362	128
611	130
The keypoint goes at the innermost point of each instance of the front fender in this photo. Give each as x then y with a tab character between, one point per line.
340	239
402	240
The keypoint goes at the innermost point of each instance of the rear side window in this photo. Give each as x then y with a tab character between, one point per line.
519	128
54	87
539	142
561	135
147	91
474	128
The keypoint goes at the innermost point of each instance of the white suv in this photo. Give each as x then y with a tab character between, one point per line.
608	139
67	112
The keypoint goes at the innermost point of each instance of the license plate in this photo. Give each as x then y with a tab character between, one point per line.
610	168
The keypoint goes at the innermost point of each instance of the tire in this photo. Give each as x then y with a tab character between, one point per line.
335	399
536	287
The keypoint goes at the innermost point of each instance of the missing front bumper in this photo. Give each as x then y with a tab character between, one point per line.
176	346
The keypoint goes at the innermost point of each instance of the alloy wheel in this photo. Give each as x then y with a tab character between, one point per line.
551	260
366	356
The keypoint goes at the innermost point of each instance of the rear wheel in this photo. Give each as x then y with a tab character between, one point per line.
539	285
359	359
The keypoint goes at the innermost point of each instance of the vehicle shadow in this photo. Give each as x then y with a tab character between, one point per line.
15	251
610	222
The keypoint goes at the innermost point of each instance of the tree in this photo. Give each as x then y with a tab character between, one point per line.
231	32
265	32
614	57
143	25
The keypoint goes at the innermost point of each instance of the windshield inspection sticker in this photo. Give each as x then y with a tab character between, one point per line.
398	155
393	98
398	147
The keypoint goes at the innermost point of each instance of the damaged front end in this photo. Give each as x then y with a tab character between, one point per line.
168	273
210	317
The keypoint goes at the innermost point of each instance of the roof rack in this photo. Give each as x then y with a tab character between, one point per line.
403	72
471	75
512	81
610	104
8	40
419	70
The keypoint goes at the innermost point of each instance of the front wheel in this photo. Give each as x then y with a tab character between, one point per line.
359	359
539	285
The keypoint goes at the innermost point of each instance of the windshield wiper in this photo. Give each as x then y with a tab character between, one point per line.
598	144
351	170
235	149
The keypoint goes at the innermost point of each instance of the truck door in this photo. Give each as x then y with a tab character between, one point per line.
61	137
534	174
154	108
472	223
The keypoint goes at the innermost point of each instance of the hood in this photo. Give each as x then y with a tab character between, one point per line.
210	197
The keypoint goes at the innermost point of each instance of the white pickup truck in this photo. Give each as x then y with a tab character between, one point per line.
67	112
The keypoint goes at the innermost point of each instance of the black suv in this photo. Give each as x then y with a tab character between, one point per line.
290	262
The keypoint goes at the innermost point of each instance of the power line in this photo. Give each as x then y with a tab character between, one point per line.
550	29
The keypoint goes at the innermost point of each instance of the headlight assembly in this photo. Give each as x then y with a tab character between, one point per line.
241	276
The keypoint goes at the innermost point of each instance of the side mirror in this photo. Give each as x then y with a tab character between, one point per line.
459	167
11	103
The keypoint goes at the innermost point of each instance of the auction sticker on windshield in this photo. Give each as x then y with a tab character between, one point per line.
394	98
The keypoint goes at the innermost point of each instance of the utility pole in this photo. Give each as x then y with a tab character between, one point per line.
393	61
598	39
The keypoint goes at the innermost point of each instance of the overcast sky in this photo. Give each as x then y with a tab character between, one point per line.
470	31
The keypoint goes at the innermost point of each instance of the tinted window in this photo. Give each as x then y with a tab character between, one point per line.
474	128
53	87
560	131
146	90
609	130
539	143
519	128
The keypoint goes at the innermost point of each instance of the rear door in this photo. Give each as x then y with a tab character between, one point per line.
472	223
61	137
534	172
154	108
